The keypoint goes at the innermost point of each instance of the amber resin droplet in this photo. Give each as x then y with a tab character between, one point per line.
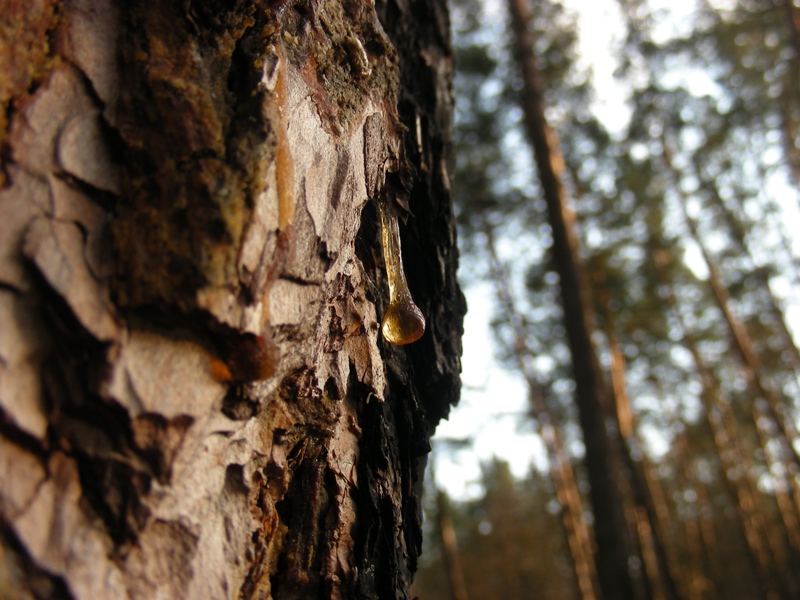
403	322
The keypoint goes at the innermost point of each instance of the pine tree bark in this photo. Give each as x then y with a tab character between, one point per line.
195	397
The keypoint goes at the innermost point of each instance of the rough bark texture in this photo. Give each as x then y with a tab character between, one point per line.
195	400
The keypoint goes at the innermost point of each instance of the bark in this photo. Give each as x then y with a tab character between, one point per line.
614	544
195	397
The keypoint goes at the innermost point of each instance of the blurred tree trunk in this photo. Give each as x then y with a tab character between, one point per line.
452	562
575	529
733	458
741	338
783	559
786	550
698	553
449	540
760	274
195	398
662	519
789	96
614	540
649	527
750	360
793	22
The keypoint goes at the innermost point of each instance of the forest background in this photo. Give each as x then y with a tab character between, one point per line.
676	189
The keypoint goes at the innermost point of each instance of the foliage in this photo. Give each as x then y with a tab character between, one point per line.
701	181
510	542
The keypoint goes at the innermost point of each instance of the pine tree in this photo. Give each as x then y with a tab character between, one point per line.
197	400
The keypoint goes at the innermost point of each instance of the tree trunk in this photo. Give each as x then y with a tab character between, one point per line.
452	562
751	362
761	275
651	535
733	458
614	543
196	399
549	429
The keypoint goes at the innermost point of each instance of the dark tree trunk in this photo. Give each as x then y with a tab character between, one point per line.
614	544
195	397
651	535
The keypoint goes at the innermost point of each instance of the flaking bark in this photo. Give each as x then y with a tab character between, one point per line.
195	397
